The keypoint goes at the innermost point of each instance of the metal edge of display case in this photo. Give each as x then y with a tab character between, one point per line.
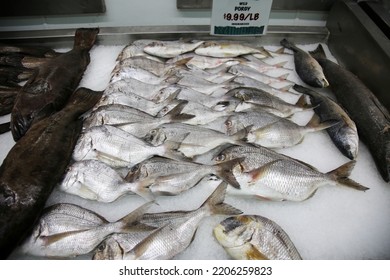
360	46
124	35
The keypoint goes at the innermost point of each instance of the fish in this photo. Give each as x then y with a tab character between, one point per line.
344	134
67	230
155	67
118	148
207	62
250	82
285	133
136	48
201	85
143	76
176	235
12	76
254	237
95	180
37	51
40	159
21	60
7	99
170	49
308	69
52	83
132	120
172	177
268	175
193	140
269	102
364	108
219	49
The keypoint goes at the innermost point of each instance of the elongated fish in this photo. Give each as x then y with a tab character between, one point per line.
169	49
219	49
176	235
52	84
67	230
343	134
308	69
371	118
40	160
95	180
253	237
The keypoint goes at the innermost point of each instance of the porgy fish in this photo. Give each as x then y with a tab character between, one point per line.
177	234
343	134
253	237
67	230
371	118
308	69
136	48
95	180
52	84
218	49
169	49
40	160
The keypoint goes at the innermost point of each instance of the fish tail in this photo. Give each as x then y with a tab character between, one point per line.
83	99
176	115
302	103
315	125
216	204
143	191
127	222
318	53
171	151
85	38
340	175
287	44
225	171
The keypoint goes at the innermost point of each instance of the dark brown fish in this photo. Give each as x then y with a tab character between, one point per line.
37	51
5	127
22	60
371	118
51	85
35	164
7	99
11	76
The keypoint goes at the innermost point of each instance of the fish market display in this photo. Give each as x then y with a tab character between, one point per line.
344	133
67	230
177	233
39	159
308	69
370	116
52	83
253	237
179	119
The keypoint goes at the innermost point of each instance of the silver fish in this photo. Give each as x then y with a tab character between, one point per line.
285	133
250	82
201	85
169	49
253	237
67	230
308	69
143	76
95	180
194	140
344	134
220	49
174	237
206	63
136	48
173	177
118	148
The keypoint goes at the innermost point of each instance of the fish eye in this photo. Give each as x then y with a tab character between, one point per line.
134	169
228	123
153	132
220	157
102	247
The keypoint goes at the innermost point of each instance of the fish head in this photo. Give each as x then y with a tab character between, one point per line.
109	249
136	173
165	93
155	137
117	76
226	106
84	147
321	82
234	231
233	125
166	109
350	140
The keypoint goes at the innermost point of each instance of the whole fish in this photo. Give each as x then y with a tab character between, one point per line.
371	118
268	101
173	177
169	49
95	180
344	134
40	160
220	49
253	237
136	48
200	84
250	82
156	67
118	148
267	175
143	76
176	235
7	99
68	230
207	63
52	84
285	133
194	140
308	69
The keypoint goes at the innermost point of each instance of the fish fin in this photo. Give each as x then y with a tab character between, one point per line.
286	89
144	192
280	51
283	77
263	51
86	192
85	38
225	171
302	103
83	99
143	246
280	64
315	125
183	61
258	173
172	151
48	240
5	127
318	53
216	204
128	221
175	113
254	254
171	78
289	45
340	175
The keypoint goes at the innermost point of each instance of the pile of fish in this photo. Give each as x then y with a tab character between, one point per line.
176	112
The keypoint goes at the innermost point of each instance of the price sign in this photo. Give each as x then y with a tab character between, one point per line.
233	17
